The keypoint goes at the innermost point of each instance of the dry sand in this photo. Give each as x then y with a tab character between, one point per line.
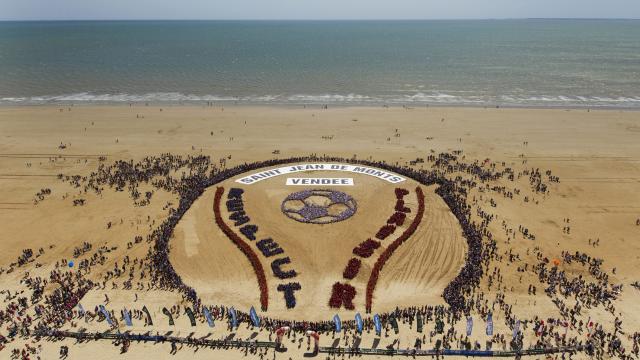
596	154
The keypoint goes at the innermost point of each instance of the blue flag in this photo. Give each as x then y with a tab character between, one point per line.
207	315
255	319
234	318
490	324
337	322
469	325
359	323
106	315
127	317
377	324
516	329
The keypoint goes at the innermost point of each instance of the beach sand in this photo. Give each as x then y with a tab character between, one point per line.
596	155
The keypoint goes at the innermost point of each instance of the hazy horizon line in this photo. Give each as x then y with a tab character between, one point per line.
337	19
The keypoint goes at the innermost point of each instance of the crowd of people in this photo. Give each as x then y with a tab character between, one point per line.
462	185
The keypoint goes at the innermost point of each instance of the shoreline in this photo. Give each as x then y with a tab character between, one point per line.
311	106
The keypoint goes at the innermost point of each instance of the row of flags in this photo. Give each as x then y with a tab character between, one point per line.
359	323
126	315
377	323
233	318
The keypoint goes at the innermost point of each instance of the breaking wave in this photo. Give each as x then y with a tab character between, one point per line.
419	98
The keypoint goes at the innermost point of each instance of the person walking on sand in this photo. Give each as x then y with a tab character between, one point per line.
64	352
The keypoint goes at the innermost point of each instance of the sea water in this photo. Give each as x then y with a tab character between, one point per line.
566	63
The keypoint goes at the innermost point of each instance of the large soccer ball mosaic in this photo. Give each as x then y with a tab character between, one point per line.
319	206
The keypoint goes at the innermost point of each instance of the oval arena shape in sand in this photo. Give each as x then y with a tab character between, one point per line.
415	274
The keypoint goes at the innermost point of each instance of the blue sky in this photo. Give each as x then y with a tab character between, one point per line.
317	9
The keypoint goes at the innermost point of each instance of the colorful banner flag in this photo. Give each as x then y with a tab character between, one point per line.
207	315
168	313
516	329
191	316
146	311
377	324
255	319
233	317
106	314
359	323
490	324
127	317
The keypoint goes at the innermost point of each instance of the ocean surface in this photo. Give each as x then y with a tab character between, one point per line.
548	63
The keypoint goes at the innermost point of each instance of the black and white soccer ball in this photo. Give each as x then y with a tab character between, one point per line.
319	206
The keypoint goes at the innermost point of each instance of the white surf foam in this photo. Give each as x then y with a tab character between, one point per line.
351	98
